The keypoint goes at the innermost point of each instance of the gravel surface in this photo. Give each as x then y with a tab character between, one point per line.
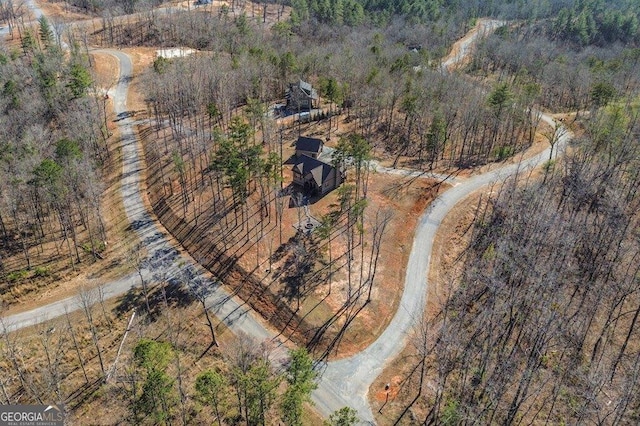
343	383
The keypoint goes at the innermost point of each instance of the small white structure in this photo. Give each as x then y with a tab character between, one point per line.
175	52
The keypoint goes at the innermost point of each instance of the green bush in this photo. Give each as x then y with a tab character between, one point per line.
17	275
41	271
98	245
503	152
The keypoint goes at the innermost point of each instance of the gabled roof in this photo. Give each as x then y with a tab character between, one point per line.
306	88
308	144
318	169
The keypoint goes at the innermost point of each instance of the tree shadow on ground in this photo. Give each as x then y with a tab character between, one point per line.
169	295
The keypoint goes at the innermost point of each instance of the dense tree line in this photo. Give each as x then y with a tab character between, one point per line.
579	21
52	145
565	77
114	7
597	21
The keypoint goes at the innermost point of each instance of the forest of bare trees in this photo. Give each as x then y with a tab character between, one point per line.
163	380
52	147
564	78
543	325
406	107
230	192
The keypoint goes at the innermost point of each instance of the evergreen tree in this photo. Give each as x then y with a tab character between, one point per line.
301	379
28	42
79	80
346	416
46	33
158	393
210	387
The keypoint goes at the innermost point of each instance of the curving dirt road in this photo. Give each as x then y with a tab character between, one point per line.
163	259
343	383
462	48
347	382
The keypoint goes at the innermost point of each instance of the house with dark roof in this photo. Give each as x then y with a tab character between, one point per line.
315	176
308	146
301	96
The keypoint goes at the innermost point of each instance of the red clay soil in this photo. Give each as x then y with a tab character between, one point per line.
248	275
228	270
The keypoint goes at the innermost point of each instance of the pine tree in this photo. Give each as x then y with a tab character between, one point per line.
210	387
80	80
301	378
46	32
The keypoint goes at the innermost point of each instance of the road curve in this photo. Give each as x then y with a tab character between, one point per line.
347	381
462	48
343	383
163	261
233	312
